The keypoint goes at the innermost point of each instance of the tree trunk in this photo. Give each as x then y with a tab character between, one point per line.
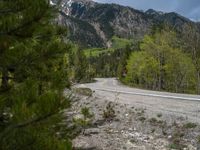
198	82
40	89
4	80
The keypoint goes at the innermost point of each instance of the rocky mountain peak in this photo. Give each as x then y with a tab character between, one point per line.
69	6
93	24
153	12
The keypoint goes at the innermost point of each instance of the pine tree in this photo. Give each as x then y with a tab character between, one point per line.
79	68
121	70
33	76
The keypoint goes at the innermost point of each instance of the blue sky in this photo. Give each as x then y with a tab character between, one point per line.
187	8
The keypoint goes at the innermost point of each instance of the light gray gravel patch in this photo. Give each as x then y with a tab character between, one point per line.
133	128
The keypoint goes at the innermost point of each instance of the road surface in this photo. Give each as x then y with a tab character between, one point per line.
169	104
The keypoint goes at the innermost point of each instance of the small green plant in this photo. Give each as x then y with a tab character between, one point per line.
85	111
153	120
190	125
140	112
133	141
109	112
173	146
86	120
143	111
142	119
179	134
153	130
159	115
177	139
198	139
177	144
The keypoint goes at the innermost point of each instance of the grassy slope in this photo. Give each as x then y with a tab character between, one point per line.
117	43
95	52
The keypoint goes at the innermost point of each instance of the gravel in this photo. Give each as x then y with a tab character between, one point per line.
133	128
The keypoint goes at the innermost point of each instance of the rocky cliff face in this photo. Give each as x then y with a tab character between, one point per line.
93	24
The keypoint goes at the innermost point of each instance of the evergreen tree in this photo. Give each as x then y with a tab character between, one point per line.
33	76
79	68
121	69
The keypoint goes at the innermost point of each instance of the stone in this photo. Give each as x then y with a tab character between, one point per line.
92	131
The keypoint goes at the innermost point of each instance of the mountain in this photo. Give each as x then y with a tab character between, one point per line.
93	24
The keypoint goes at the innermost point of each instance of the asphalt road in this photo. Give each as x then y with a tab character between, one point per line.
172	105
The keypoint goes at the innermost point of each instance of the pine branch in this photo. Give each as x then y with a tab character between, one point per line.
28	23
25	124
34	121
6	11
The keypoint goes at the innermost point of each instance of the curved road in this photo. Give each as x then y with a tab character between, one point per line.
171	105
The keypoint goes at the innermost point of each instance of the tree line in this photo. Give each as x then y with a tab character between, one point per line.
164	61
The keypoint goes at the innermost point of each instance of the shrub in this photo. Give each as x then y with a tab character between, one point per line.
109	112
85	120
159	115
142	119
85	111
190	125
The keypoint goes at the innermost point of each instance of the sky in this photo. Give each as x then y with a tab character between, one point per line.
187	8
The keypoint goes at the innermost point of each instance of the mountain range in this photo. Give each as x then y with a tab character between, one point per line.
93	24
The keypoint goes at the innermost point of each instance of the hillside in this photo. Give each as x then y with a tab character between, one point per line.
93	24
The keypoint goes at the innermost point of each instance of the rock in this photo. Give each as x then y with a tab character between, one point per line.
169	137
78	116
190	147
92	131
137	134
198	146
133	146
146	141
131	134
83	143
130	129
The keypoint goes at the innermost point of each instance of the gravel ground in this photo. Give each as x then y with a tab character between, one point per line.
135	127
169	107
